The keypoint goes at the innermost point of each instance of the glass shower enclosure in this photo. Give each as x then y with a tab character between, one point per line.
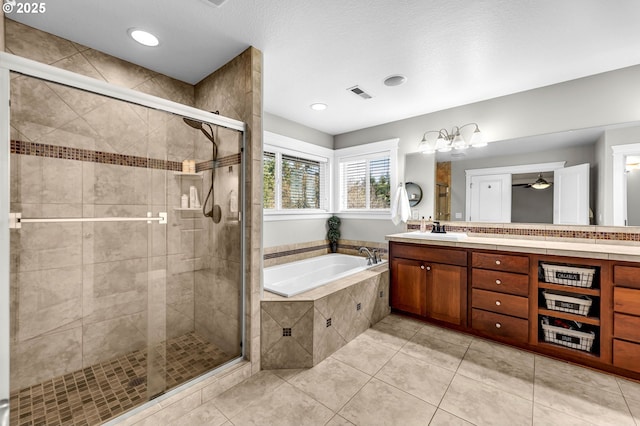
121	254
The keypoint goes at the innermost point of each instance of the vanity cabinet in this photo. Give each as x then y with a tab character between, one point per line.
579	309
429	282
499	295
626	317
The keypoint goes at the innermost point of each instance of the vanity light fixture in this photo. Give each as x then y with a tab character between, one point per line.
143	37
448	140
541	183
318	106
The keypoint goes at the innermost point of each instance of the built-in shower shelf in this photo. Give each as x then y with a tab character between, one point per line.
188	209
185	175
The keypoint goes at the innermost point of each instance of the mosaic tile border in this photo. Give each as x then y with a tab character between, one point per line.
344	246
541	233
79	154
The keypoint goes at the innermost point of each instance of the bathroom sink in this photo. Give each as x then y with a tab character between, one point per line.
449	236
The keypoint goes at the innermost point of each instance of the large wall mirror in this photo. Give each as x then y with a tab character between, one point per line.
564	178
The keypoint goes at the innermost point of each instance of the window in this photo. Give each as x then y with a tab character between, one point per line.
366	176
294	182
365	183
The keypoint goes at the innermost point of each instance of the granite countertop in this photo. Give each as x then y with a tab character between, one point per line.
594	249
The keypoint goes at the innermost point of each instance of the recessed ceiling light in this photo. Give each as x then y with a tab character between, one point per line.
143	37
318	106
395	80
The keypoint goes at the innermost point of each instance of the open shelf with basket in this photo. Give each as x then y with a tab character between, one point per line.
569	306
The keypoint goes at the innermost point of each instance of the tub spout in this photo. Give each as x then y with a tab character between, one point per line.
370	258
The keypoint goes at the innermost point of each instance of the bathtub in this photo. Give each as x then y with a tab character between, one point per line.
292	278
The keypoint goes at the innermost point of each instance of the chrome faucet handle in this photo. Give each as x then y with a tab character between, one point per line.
376	256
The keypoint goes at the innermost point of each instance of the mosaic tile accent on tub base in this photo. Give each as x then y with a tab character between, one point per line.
106	390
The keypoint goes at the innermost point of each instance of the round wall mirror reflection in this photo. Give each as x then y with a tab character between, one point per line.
414	192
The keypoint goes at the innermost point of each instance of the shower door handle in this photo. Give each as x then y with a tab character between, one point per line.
4	412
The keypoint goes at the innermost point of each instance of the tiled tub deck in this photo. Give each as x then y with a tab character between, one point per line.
301	331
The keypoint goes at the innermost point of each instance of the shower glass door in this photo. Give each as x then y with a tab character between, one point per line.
119	292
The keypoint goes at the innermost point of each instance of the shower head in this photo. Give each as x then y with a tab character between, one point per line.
200	126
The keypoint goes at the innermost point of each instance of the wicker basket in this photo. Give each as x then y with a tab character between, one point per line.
568	275
570	338
565	302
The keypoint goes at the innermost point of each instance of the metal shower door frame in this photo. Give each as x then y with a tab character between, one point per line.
9	63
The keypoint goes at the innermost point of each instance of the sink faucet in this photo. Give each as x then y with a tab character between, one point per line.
370	257
437	229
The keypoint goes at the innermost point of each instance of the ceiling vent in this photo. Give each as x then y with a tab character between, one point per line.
216	3
358	91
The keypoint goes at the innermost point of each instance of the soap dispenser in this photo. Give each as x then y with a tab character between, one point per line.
423	225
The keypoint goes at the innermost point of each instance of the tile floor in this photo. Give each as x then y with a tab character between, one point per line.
102	391
402	372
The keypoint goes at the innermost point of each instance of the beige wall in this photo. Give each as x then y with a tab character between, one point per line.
236	91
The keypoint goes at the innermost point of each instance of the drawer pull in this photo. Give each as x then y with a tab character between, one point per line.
498	325
497	262
498	282
498	303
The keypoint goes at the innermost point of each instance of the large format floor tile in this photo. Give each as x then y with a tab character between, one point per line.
419	378
381	404
331	382
482	404
286	407
364	354
434	350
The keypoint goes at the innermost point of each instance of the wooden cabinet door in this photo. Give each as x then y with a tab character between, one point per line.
446	293
408	286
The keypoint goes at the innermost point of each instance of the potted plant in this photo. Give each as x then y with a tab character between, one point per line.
333	234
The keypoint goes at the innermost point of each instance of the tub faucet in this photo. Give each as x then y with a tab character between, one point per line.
370	257
376	256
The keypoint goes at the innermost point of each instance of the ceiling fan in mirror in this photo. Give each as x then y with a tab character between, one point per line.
540	183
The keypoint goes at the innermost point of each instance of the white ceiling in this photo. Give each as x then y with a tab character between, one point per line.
453	52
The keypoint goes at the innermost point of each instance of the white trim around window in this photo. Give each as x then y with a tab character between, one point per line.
360	152
304	150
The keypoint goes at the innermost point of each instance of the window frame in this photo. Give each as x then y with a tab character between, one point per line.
362	152
289	146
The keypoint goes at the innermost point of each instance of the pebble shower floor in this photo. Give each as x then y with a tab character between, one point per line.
100	392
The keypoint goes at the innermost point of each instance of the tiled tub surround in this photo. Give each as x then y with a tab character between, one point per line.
301	331
293	252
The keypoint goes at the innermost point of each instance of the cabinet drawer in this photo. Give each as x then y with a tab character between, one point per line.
500	303
626	327
429	254
515	329
626	355
626	300
626	276
501	262
504	282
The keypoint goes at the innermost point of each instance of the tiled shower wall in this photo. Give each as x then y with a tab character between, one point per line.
79	291
236	91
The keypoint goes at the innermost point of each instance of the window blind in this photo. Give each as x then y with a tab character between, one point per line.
365	183
301	183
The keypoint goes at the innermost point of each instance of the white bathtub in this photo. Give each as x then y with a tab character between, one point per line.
292	278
